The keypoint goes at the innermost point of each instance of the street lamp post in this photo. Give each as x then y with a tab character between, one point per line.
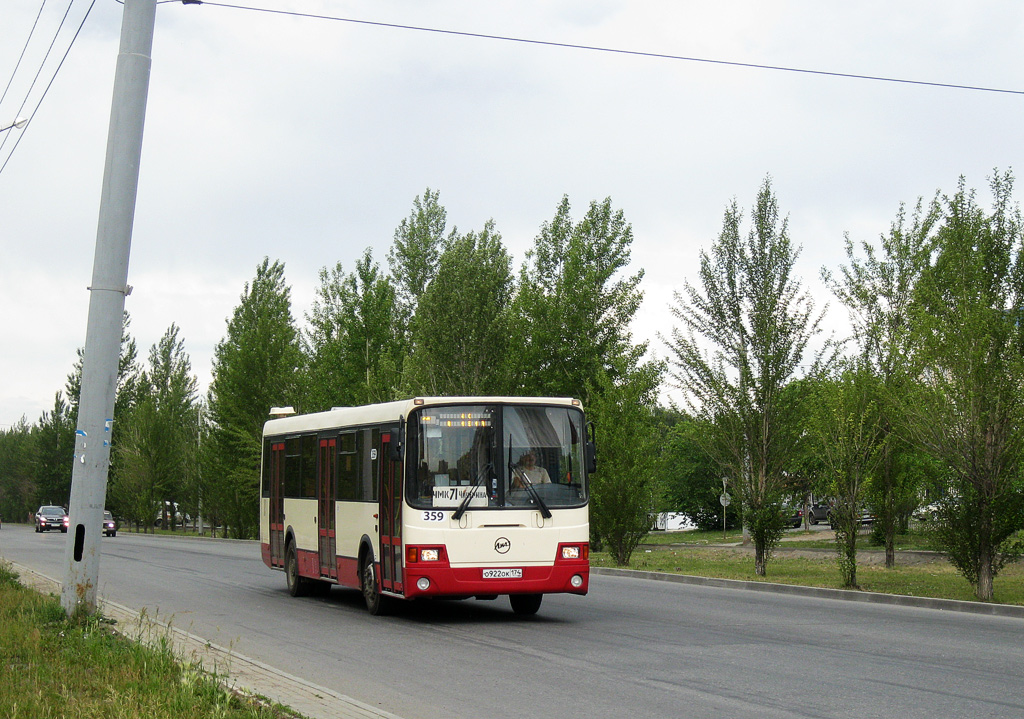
18	123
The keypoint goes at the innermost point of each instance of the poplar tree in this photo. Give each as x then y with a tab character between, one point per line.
877	287
460	339
158	450
756	321
969	352
255	367
354	341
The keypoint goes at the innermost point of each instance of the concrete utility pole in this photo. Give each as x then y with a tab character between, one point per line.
106	306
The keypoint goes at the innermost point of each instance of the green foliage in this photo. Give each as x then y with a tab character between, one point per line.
878	290
354	343
626	488
17	489
460	337
574	304
693	481
255	367
847	427
80	668
158	451
970	355
53	454
416	252
758	321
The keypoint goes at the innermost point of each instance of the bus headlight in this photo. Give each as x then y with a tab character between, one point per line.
431	554
423	584
570	552
576	581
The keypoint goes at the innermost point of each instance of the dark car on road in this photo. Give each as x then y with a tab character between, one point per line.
793	516
818	512
50	517
109	525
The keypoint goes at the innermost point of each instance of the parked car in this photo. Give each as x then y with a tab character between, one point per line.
49	517
109	525
927	513
866	517
818	512
170	514
794	516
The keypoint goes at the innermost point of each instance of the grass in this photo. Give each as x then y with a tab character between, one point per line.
81	668
695	553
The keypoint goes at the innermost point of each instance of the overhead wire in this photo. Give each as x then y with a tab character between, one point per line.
50	83
22	56
618	51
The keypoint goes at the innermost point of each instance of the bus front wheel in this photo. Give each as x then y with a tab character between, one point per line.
375	602
296	585
525	603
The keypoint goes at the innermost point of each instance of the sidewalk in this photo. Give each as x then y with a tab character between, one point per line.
234	670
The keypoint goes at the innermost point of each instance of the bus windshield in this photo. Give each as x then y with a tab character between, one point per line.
496	456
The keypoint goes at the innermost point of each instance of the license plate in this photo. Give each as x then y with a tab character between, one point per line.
503	574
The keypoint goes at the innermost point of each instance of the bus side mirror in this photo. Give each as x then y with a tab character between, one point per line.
591	449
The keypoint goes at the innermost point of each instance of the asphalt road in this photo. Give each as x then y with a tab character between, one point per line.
632	648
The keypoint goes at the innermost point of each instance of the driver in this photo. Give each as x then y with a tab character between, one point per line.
527	469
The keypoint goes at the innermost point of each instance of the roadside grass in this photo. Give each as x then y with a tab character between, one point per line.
932	577
917	539
81	668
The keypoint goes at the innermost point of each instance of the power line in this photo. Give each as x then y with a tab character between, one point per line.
49	84
618	51
22	56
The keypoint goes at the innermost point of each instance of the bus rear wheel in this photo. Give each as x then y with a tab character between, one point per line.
525	604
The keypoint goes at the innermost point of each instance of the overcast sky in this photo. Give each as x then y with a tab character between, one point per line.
306	140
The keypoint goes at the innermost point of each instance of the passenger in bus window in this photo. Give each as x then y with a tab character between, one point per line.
528	470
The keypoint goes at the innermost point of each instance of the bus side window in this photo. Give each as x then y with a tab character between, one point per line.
265	473
309	458
370	439
348	467
292	467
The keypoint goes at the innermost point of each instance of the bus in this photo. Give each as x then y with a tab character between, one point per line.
432	497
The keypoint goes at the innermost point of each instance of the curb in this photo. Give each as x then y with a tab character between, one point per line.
233	670
849	595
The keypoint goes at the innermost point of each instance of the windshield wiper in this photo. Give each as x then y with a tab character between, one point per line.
471	493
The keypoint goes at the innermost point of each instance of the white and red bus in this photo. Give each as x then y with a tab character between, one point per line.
432	497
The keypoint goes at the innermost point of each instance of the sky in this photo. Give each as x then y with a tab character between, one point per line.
306	141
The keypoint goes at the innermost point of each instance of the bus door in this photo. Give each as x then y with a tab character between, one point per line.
277	504
326	471
390	517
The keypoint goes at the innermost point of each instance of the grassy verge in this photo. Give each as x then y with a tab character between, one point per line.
931	577
83	669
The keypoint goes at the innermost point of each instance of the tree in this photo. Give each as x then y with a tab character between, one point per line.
159	443
571	314
460	340
758	322
255	367
627	485
17	486
969	355
847	426
53	453
693	479
416	252
574	304
354	345
878	290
